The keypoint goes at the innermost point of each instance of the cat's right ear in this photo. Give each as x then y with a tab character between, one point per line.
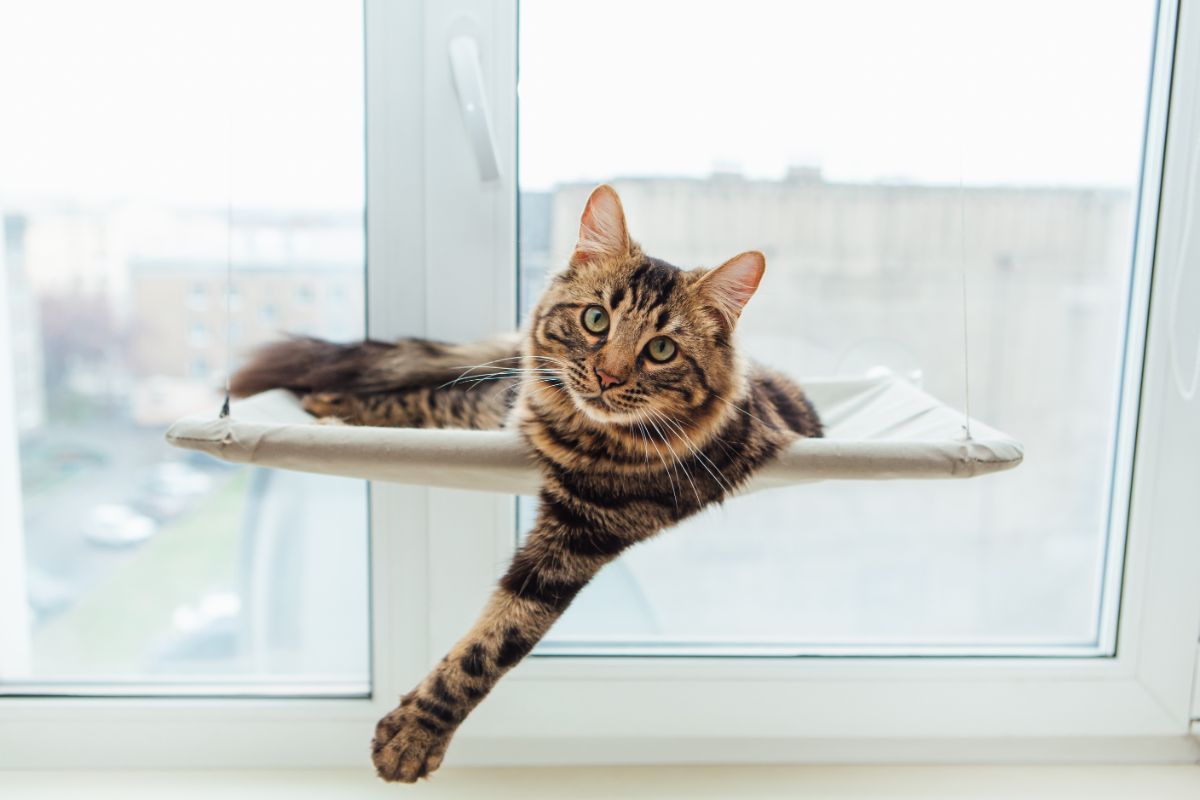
602	231
730	286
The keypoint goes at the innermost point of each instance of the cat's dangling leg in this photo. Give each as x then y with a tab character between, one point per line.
562	553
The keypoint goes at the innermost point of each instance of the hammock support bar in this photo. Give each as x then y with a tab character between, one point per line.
876	428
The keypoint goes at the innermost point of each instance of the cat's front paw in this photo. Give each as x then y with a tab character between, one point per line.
407	745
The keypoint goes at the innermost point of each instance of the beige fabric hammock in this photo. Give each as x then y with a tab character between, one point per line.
876	428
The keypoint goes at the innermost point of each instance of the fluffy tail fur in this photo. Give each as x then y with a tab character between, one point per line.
306	365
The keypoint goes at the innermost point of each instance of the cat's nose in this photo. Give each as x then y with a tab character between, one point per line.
608	380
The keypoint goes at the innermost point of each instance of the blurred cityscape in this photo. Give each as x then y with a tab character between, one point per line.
147	561
119	326
125	307
863	276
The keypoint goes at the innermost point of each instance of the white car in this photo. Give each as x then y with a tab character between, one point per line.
174	479
118	526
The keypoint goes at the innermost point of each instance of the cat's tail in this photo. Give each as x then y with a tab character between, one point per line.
306	365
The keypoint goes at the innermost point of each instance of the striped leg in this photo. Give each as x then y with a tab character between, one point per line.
556	561
482	407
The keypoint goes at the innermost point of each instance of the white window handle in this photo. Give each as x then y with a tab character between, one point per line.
468	83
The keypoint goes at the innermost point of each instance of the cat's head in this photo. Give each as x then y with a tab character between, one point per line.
634	338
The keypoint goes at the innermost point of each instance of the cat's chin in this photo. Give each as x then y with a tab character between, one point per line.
597	409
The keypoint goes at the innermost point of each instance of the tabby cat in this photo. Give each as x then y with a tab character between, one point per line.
639	410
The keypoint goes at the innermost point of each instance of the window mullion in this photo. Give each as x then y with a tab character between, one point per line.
470	281
396	247
14	607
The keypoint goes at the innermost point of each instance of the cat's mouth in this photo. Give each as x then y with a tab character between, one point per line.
595	401
601	408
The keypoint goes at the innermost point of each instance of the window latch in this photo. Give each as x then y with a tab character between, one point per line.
472	99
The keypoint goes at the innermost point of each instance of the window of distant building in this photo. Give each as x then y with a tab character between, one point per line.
198	335
197	297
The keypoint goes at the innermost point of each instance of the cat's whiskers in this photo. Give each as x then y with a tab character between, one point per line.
499	373
675	456
671	469
704	460
715	437
537	383
716	472
738	408
519	377
641	431
657	452
507	372
469	368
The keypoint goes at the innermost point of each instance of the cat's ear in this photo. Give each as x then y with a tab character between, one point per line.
728	287
602	231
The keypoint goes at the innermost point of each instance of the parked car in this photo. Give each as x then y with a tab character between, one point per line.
116	525
161	507
171	488
176	479
48	594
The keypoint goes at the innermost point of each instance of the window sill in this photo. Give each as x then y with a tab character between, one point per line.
660	783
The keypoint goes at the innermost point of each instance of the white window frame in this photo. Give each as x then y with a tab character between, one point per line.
442	254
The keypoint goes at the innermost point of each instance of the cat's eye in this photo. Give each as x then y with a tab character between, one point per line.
661	348
595	319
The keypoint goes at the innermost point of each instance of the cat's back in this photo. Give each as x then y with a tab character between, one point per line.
784	400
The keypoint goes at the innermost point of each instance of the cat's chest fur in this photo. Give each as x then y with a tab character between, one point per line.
655	473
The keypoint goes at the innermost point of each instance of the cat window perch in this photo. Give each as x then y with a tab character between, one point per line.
879	427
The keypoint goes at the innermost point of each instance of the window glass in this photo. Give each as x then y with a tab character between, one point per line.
873	151
144	149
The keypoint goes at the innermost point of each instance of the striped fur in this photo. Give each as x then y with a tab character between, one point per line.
627	446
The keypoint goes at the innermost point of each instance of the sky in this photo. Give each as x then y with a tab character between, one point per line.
261	100
1017	91
185	103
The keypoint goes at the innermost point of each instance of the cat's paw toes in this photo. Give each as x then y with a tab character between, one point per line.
405	747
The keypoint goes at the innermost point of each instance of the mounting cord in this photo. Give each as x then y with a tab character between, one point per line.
228	222
962	235
228	302
962	269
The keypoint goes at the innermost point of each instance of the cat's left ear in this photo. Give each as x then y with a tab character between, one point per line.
730	286
602	231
